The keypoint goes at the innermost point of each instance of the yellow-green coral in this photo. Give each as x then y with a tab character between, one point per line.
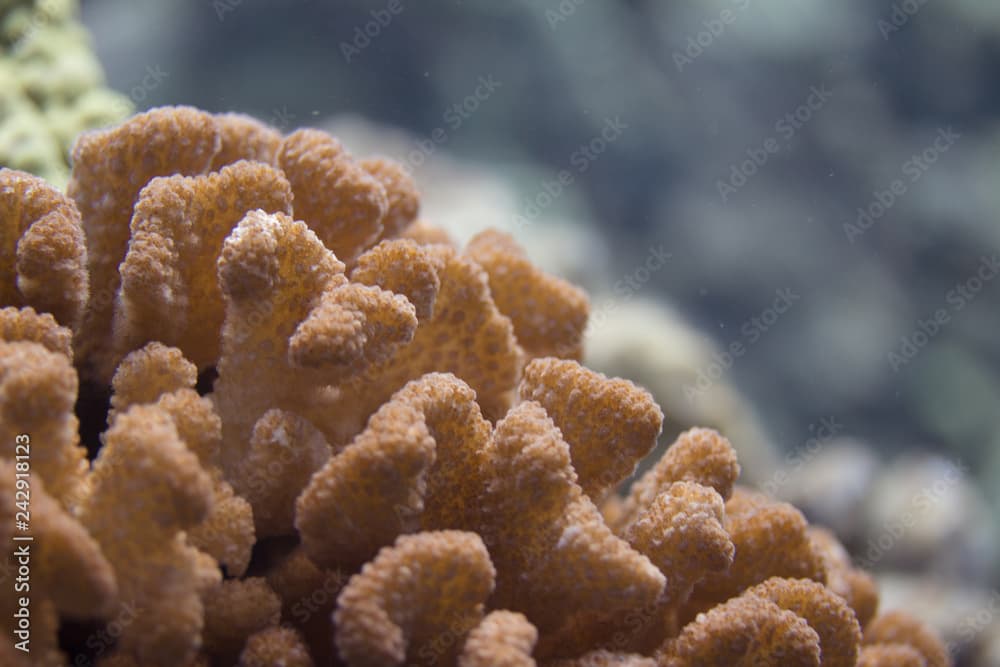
51	86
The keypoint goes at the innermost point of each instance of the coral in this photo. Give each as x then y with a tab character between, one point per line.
37	390
745	630
826	612
285	451
890	655
548	314
649	341
771	540
244	138
415	601
856	586
147	489
43	259
51	86
340	200
110	167
335	438
609	424
67	570
235	610
176	233
24	324
160	375
682	533
897	627
603	658
275	646
502	639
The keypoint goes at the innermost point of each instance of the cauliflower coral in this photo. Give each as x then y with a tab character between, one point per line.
335	438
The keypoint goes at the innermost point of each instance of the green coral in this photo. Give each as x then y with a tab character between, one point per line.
51	86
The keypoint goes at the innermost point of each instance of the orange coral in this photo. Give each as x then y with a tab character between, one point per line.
771	540
549	314
37	391
371	492
24	324
699	455
235	610
43	257
275	646
502	639
682	533
610	425
161	375
856	586
340	200
416	601
243	137
110	167
553	551
65	570
398	439
147	489
746	630
169	290
285	451
825	611
287	327
890	655
604	658
897	627
401	191
146	374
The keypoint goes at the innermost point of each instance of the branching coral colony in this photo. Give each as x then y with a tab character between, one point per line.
400	461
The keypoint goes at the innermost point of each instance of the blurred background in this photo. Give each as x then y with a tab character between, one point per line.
786	212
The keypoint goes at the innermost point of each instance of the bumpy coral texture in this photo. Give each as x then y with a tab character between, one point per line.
502	639
336	438
43	259
110	167
169	291
37	390
275	646
147	489
412	597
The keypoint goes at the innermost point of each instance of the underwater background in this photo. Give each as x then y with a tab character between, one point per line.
785	213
